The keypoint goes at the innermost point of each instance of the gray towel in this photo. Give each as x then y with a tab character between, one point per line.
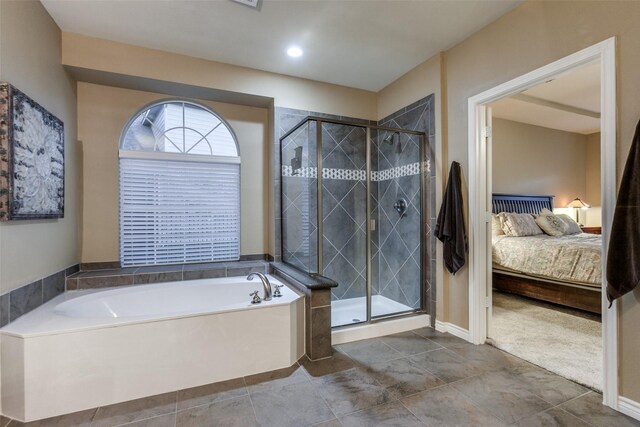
450	225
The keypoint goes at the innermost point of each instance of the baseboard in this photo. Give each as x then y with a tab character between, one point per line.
454	330
629	407
378	329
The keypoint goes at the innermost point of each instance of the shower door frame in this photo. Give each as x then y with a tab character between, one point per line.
424	261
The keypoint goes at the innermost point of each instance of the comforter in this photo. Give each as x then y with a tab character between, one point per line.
575	258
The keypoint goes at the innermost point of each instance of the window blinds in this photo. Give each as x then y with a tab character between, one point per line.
178	211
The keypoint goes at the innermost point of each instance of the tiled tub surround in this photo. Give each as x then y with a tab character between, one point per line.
318	313
165	337
406	380
97	275
29	297
126	276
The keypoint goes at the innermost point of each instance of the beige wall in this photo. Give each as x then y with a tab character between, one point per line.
105	61
30	49
103	111
593	180
531	159
425	79
529	37
593	169
111	57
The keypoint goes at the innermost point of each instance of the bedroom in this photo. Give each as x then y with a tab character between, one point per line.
546	274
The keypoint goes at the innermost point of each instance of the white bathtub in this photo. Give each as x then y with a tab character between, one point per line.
92	348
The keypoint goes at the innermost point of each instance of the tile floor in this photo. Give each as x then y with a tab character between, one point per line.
415	378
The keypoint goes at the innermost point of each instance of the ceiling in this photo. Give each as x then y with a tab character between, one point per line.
578	89
360	44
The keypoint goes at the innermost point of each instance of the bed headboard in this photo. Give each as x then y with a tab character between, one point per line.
520	203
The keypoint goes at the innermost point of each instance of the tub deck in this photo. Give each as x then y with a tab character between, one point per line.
133	356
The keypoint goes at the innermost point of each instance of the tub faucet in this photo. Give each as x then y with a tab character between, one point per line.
265	284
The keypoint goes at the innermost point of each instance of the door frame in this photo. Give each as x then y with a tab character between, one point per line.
480	195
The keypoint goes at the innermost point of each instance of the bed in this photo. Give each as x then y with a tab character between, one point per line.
564	270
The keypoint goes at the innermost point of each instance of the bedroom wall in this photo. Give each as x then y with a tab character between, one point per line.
533	35
593	215
103	111
30	60
530	159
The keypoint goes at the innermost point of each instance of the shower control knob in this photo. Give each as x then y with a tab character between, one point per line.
400	206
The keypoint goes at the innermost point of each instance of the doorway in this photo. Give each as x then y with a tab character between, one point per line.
480	194
546	280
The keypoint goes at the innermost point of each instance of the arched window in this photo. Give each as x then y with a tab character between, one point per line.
179	186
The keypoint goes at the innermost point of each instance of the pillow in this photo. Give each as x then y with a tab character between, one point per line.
518	225
551	224
496	226
572	225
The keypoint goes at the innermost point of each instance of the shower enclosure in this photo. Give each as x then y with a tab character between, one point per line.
352	202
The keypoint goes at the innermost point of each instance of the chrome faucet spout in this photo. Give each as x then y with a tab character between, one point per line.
265	283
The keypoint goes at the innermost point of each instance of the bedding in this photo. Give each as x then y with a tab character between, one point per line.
573	226
571	258
518	225
496	225
551	224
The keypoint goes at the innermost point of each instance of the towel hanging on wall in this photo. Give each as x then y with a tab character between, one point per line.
450	225
623	258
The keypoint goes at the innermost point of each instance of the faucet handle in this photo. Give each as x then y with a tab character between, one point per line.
256	299
277	292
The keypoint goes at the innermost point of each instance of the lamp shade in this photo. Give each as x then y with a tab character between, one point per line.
577	203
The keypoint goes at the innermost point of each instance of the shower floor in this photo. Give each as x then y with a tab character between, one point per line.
354	310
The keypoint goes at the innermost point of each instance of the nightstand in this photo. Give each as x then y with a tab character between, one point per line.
592	230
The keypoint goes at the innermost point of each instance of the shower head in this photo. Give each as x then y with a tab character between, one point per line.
389	139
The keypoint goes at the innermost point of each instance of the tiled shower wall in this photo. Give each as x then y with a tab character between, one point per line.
344	207
397	238
344	201
395	265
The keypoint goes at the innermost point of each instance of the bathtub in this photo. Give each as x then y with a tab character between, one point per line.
85	349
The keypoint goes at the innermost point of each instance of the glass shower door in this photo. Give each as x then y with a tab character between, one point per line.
299	198
396	239
344	217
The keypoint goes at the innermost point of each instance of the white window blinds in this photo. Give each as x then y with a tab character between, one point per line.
178	211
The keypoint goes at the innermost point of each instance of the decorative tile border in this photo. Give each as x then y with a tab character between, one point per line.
399	171
357	175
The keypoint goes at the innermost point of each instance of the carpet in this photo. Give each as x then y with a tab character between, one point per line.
561	340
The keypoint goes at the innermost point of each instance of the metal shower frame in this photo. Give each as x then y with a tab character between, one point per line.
424	261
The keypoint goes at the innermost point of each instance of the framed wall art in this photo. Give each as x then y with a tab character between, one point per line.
31	158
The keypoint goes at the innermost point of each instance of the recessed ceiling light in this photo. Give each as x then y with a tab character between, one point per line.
294	52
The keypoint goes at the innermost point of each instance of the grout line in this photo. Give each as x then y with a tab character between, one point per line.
93	419
572	415
175	411
253	408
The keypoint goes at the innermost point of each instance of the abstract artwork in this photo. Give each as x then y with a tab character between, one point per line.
31	158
